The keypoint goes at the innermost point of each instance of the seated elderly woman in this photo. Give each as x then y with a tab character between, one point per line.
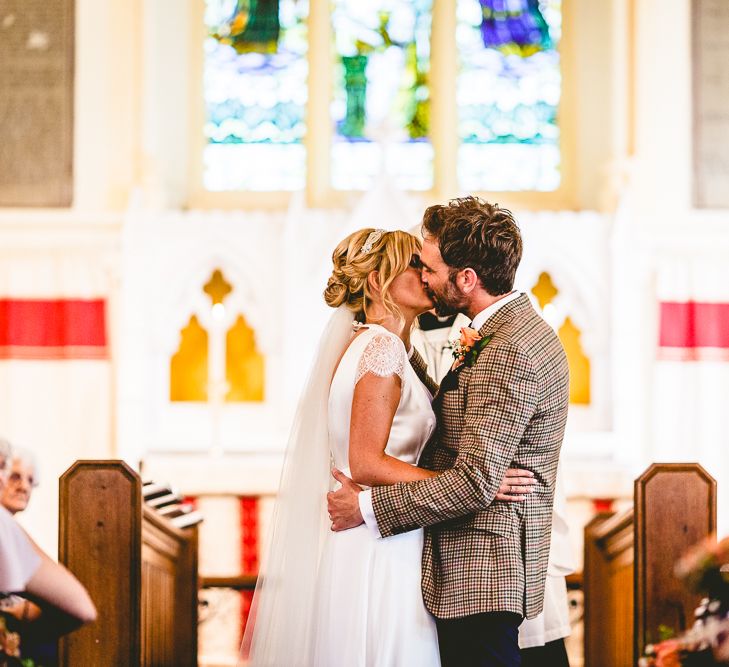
14	496
26	569
20	482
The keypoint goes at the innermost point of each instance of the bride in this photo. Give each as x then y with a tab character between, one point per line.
348	598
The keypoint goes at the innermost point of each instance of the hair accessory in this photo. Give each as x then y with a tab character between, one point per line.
373	238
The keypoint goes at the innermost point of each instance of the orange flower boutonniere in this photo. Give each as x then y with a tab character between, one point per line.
468	347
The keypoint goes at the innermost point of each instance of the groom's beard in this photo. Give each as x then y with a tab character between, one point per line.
449	301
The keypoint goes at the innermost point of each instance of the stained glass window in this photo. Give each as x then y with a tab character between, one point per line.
508	91
255	92
380	108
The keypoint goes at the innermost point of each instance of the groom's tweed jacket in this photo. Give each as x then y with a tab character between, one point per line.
508	409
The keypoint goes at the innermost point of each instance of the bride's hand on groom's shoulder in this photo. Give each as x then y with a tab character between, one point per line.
517	485
343	504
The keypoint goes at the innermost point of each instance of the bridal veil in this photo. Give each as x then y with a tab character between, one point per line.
279	630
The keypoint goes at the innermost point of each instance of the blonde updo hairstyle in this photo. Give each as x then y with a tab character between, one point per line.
389	255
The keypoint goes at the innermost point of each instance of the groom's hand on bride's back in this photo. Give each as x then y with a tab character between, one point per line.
343	504
517	485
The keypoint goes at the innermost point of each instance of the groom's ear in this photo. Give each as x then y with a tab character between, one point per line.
373	281
467	280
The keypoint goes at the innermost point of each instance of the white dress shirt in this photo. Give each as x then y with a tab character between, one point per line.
18	559
365	497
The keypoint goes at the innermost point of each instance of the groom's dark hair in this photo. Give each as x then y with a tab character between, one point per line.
472	233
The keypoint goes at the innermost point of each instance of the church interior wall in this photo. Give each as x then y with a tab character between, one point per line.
623	239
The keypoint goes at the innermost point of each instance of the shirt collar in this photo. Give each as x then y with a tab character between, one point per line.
481	318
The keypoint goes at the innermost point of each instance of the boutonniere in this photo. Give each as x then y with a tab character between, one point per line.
468	347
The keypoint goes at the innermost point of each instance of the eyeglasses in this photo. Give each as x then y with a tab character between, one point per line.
16	478
415	262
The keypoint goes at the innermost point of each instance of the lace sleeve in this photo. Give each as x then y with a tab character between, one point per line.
383	356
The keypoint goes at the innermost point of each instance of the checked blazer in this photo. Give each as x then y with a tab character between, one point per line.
506	410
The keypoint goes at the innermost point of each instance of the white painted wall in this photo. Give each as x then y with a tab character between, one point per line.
132	163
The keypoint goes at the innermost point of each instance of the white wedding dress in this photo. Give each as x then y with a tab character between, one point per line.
369	610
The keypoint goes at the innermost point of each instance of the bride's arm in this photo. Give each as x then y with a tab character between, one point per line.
375	401
374	405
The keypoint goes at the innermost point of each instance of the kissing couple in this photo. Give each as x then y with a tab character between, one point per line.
434	548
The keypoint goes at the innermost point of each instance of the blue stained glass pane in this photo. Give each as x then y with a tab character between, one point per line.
381	103
508	92
255	94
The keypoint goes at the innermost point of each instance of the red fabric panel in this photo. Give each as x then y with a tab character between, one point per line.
53	329
687	327
600	505
246	601
249	550
249	534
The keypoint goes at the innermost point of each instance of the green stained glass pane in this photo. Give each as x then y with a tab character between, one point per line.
508	93
255	88
381	102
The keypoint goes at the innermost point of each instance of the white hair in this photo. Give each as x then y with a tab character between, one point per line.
26	457
6	458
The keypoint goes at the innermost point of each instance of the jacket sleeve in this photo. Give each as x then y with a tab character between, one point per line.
501	399
421	370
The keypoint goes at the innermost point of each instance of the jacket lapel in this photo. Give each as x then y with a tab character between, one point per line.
515	308
489	328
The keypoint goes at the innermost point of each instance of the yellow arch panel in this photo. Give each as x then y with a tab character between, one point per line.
244	364
578	362
189	365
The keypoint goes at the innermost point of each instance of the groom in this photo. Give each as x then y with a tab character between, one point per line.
505	405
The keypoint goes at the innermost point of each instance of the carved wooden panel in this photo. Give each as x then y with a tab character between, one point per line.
630	588
36	102
608	586
675	507
158	610
594	576
100	542
169	607
140	570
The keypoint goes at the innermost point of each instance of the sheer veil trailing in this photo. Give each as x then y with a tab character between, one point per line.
283	611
